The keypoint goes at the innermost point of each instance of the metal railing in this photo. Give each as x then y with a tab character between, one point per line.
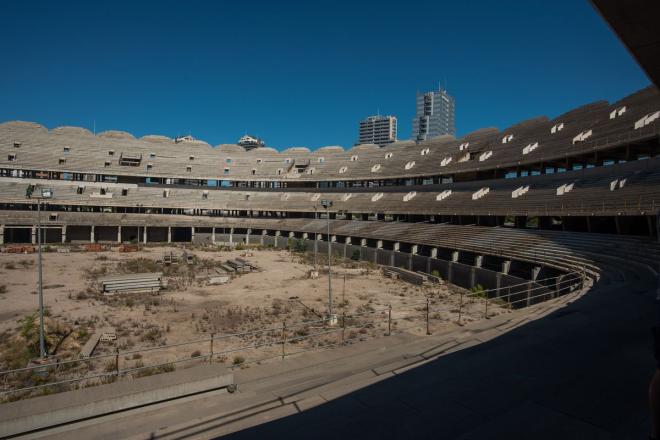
277	341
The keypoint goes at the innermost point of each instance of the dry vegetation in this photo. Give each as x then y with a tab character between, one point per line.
281	295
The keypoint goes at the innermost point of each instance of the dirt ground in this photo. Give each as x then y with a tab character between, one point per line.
280	294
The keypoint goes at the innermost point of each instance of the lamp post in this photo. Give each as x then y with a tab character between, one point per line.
46	193
327	204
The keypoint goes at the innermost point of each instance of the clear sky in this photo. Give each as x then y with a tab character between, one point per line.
301	72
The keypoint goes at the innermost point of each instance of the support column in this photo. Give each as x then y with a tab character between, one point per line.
118	234
34	234
277	236
169	234
264	232
347	240
454	256
2	234
379	244
63	234
478	260
192	234
535	272
305	235
363	242
213	235
413	249
144	237
247	236
434	252
397	245
506	266
92	231
333	238
231	235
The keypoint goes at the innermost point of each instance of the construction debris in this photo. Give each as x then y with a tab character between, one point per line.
138	282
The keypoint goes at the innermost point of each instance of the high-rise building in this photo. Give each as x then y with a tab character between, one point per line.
434	116
379	130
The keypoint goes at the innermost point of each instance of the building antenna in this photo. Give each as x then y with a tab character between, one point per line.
378	111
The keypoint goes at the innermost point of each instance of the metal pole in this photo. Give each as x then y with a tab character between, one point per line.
329	269
389	319
428	332
42	341
211	355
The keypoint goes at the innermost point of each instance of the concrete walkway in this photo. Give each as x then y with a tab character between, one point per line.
579	371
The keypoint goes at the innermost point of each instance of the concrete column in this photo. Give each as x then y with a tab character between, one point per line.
277	236
454	256
291	234
397	245
144	237
92	239
434	252
169	234
63	234
213	235
305	235
34	234
2	234
333	239
363	242
118	234
347	240
379	244
413	249
506	266
247	236
618	225
264	232
478	260
535	272
192	234
231	235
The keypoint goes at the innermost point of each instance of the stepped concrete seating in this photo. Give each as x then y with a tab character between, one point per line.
41	149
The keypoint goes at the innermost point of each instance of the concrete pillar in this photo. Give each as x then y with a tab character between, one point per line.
247	236
144	237
264	232
63	234
506	266
397	245
478	260
291	234
2	234
169	234
363	242
213	235
379	244
347	240
305	235
277	236
333	239
118	234
92	239
231	235
454	256
34	234
413	249
192	234
535	272
434	252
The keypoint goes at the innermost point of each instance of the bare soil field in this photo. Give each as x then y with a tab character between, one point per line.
277	300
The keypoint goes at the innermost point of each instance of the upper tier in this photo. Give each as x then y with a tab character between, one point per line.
599	125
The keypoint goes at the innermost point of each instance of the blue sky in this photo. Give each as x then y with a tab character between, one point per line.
301	72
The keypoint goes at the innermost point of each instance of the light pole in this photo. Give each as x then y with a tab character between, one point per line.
46	193
327	204
139	205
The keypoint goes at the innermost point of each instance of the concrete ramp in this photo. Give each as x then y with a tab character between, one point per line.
43	412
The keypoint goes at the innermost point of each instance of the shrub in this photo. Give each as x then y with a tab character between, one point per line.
195	354
238	360
355	256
